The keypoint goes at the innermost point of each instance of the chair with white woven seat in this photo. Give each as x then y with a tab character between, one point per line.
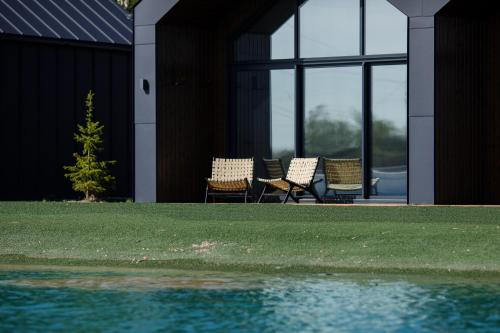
230	177
299	178
344	175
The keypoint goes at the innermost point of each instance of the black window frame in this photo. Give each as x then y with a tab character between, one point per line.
300	64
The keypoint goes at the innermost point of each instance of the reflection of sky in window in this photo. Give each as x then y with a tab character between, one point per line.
329	28
386	28
283	110
389	96
282	41
338	89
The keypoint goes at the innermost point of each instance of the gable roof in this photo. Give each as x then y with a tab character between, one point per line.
100	21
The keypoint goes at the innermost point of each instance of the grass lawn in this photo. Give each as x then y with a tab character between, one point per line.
264	238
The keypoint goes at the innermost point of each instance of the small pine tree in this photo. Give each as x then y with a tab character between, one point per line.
89	175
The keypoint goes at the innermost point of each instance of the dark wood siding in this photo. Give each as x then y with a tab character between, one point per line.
187	117
42	98
491	140
467	100
193	54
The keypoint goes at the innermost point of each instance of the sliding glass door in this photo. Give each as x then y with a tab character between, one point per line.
265	115
389	130
282	114
333	101
325	78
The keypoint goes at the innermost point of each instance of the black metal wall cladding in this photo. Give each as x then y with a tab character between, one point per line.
43	86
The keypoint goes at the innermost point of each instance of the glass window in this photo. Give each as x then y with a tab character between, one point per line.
272	37
386	28
283	114
329	28
333	119
252	114
389	128
265	115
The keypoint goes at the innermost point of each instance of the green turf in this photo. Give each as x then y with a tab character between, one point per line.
253	237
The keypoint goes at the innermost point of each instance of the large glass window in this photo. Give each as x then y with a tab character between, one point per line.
283	114
252	113
333	118
389	130
329	28
306	85
272	37
386	28
265	115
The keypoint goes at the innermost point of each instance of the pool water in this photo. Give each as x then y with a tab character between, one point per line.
55	300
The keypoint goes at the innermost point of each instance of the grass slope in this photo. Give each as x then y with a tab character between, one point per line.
253	237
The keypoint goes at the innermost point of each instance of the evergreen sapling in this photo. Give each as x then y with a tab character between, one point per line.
89	175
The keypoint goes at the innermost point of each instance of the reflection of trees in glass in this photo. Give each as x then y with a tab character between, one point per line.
342	139
332	138
389	144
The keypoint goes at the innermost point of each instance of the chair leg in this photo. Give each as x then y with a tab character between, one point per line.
288	195
262	194
294	198
246	195
315	195
325	193
206	195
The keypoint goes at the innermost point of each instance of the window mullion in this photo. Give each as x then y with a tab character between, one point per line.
362	29
299	111
366	133
297	31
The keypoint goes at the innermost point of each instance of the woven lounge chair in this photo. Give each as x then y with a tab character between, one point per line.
275	170
344	175
299	178
230	177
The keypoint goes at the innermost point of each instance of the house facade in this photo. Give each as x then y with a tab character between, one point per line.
51	54
407	86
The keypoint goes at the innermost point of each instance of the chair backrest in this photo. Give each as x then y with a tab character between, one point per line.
343	171
225	169
274	168
302	170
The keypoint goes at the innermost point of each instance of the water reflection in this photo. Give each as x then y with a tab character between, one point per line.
236	303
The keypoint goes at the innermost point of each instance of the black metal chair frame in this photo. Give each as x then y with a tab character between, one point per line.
275	191
292	185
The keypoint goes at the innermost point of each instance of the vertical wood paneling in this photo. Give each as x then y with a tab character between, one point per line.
49	146
102	89
42	90
467	106
186	112
30	127
121	126
192	92
9	110
84	70
66	80
491	172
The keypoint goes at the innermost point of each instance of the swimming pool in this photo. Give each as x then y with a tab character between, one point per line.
55	299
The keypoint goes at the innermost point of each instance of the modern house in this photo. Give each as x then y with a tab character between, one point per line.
52	52
410	87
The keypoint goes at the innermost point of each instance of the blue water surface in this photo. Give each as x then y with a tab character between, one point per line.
167	301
